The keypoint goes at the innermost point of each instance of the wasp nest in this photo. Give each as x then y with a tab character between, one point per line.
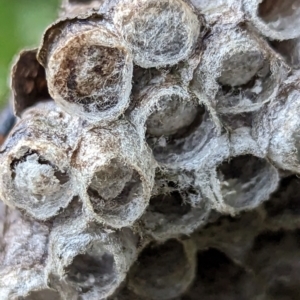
155	155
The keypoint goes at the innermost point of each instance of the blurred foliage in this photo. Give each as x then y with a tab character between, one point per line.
22	23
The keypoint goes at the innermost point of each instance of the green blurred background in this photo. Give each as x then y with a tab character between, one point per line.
22	23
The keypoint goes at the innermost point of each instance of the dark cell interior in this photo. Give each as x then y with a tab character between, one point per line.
243	179
289	50
242	167
268	238
169	204
159	261
271	10
90	270
280	14
218	277
286	200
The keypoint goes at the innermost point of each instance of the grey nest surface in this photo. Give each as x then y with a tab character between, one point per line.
156	154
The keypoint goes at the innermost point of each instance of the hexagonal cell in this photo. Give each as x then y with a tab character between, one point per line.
114	189
275	260
93	269
214	277
176	126
157	42
275	19
163	271
172	214
238	72
35	165
246	181
92	261
88	69
115	177
174	140
289	50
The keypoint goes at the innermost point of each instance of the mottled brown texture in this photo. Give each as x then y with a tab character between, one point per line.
28	82
88	67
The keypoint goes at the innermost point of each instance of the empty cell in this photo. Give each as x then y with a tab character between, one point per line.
176	116
163	271
277	19
240	67
289	50
214	277
115	174
275	260
95	269
176	126
28	82
185	138
91	259
280	15
171	214
246	181
171	204
238	72
233	236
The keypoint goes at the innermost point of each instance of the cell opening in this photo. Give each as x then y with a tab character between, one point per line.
240	68
280	269
213	261
94	269
41	187
244	180
289	50
162	270
255	88
175	129
37	177
114	187
171	205
214	277
174	32
90	75
268	238
285	201
280	15
175	212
